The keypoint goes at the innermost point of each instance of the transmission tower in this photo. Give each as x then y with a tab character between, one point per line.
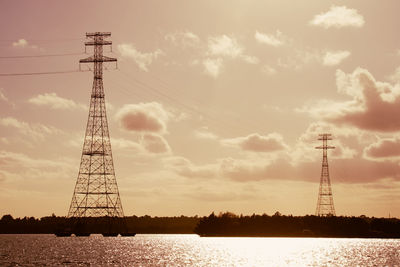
96	191
325	199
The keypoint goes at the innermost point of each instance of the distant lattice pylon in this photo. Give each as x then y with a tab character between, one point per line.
325	205
96	192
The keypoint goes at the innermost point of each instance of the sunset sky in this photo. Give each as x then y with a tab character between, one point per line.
234	94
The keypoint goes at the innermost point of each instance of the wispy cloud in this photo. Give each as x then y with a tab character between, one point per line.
5	99
2	96
268	70
395	77
333	58
338	17
219	49
22	43
35	131
204	133
142	59
257	143
186	168
155	143
299	59
277	39
54	101
224	46
183	39
213	66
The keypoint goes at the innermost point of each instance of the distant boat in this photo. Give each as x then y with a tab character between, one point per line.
82	234
110	234
128	234
62	233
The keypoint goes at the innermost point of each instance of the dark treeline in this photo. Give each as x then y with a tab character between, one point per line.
224	224
142	225
229	224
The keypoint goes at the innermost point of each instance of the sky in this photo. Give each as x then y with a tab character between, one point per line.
214	106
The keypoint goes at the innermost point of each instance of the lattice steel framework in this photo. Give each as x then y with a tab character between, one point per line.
325	205
96	191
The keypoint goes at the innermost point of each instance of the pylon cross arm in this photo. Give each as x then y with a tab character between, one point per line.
93	59
325	147
98	42
92	34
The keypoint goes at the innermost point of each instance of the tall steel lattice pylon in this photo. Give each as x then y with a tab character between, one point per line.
325	199
96	191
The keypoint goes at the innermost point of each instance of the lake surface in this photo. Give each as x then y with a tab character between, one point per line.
192	250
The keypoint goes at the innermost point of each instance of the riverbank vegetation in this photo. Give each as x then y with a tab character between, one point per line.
143	224
224	224
277	225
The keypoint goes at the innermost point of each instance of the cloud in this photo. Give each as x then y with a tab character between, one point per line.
20	43
143	117
357	170
302	57
384	149
299	59
2	96
268	70
301	163
25	161
257	143
213	66
220	48
220	196
36	131
183	39
121	143
304	149
204	133
338	17
250	59
373	105
155	144
5	99
277	39
25	171
333	58
54	101
395	77
224	46
143	60
186	168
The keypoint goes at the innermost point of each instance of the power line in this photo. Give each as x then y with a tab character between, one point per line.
40	73
212	115
37	56
42	40
187	107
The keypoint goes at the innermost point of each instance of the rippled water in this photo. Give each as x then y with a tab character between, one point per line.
191	250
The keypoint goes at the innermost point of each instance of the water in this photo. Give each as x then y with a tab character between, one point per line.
191	250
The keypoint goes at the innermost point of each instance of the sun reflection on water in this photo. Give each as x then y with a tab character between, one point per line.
192	250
